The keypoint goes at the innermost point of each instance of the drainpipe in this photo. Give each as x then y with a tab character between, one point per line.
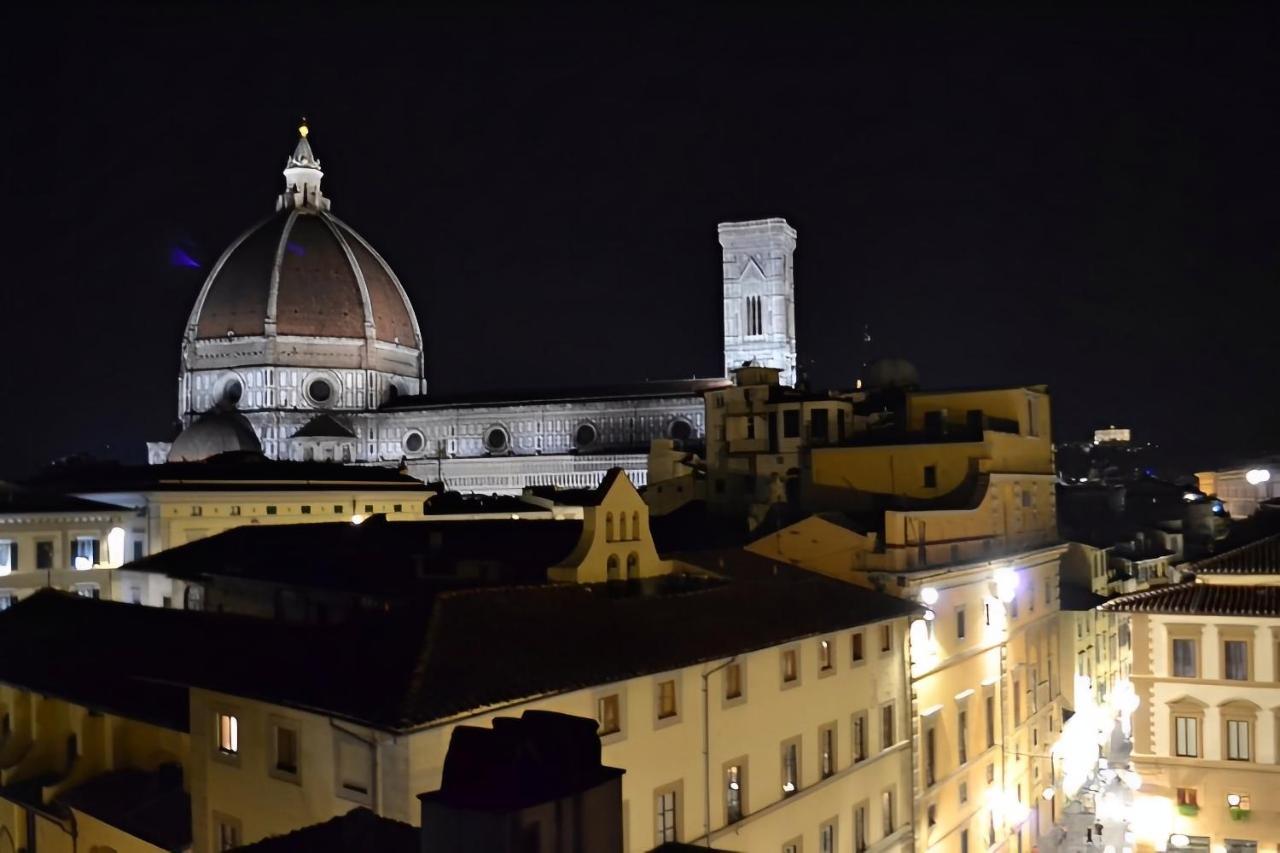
706	748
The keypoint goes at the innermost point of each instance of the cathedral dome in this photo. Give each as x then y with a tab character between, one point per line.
303	272
214	433
300	312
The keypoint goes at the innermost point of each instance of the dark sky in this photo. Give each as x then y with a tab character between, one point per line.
1083	200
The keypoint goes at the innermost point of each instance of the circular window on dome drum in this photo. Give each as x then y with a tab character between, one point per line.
681	430
496	440
413	442
320	390
585	436
232	392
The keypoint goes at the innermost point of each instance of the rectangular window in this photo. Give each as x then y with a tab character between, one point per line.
860	736
964	841
791	423
827	751
286	750
790	769
991	721
825	656
607	714
1184	658
8	557
991	774
226	834
1236	654
733	793
1237	740
44	554
857	647
84	552
962	735
886	638
1188	797
666	699
306	509
228	734
859	829
355	767
789	669
930	756
197	510
886	812
959	623
337	509
818	425
827	838
665	811
931	476
886	727
964	792
271	510
1017	702
1013	607
235	510
1187	737
137	550
733	681
6	601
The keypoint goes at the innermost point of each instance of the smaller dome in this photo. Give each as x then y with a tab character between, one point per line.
214	433
887	373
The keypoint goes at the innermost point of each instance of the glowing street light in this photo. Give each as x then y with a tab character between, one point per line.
1179	840
357	519
1006	584
929	596
1257	476
1048	793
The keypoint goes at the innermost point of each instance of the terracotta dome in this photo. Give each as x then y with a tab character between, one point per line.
214	433
303	272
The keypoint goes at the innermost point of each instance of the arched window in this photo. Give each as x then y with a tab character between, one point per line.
608	527
622	526
633	566
635	525
612	568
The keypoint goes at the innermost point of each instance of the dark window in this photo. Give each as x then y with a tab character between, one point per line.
496	440
585	436
791	423
320	390
137	549
44	554
818	425
271	510
991	721
931	476
751	426
413	442
840	425
306	509
930	756
397	507
337	509
681	430
368	508
857	646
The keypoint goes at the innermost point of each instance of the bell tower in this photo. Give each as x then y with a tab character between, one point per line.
759	295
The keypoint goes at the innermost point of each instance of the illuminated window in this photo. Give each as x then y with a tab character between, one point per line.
607	708
733	681
790	768
8	556
825	655
228	734
666	699
733	793
1186	737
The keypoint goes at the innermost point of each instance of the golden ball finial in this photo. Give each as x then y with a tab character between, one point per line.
302	128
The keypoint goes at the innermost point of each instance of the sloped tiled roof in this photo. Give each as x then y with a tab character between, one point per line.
151	806
1204	599
1256	558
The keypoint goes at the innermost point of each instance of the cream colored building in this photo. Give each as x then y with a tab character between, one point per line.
1207	675
1242	490
176	503
947	499
57	541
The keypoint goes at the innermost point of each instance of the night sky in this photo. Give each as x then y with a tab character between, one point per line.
1084	200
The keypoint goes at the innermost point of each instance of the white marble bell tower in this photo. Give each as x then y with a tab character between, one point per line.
759	295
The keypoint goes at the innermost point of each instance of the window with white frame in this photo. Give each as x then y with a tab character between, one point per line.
664	809
1186	736
1238	740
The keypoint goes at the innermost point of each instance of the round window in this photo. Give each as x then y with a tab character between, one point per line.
320	390
413	442
495	441
232	392
585	436
681	430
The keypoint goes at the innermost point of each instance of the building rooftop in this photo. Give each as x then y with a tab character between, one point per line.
357	831
151	806
377	556
17	500
467	649
1077	598
1256	558
226	472
665	388
1201	599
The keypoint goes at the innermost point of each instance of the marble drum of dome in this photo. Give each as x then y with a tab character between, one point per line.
300	312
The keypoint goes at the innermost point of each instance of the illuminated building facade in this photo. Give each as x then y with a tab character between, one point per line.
1206	671
304	330
1242	490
